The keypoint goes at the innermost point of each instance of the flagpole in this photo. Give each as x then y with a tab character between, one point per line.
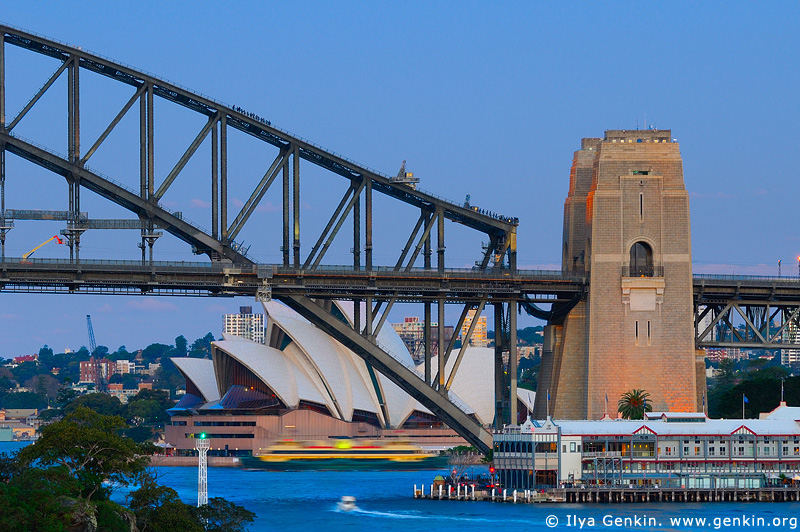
548	403
742	406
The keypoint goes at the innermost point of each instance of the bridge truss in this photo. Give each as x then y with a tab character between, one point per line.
747	312
419	273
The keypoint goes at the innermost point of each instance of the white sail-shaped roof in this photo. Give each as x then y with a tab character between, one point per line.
201	372
332	362
473	384
288	382
399	404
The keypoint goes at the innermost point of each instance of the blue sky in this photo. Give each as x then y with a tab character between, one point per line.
482	98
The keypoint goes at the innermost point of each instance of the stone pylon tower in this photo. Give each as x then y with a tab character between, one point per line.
626	225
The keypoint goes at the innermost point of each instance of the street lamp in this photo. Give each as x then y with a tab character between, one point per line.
202	444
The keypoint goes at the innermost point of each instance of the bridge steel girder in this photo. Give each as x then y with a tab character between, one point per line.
394	370
197	238
501	227
757	318
292	286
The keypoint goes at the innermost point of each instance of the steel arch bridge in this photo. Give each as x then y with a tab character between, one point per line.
302	279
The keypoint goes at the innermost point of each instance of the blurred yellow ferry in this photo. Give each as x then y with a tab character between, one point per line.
345	455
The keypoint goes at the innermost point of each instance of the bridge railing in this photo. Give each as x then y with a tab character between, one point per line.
265	270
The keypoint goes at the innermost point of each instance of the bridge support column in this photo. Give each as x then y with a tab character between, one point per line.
441	347
427	341
499	381
296	207
512	359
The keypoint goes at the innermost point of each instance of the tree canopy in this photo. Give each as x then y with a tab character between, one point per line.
634	403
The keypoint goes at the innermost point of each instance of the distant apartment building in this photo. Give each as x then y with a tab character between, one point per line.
245	324
791	357
97	370
412	331
121	367
479	334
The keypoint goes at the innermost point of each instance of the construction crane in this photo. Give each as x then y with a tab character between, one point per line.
92	343
54	237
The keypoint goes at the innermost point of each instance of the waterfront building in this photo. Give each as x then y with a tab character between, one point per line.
626	226
245	324
667	449
302	384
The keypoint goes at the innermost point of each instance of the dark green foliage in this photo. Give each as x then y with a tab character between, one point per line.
25	371
159	509
89	446
140	434
201	348
10	467
528	376
56	485
35	500
224	516
531	335
763	394
153	352
23	400
147	411
46	358
100	351
110	517
65	396
181	346
98	402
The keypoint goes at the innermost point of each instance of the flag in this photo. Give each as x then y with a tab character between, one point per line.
704	400
745	399
548	395
606	397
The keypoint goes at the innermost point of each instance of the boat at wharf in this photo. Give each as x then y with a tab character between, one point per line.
468	492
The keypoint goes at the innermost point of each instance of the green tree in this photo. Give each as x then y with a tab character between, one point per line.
181	346
201	348
65	396
153	352
35	500
25	371
727	373
100	351
158	508
148	411
101	403
633	404
24	400
220	515
90	448
46	357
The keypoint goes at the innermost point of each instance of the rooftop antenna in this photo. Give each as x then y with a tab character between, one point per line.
645	120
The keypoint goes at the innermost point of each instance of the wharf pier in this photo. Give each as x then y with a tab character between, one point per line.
612	495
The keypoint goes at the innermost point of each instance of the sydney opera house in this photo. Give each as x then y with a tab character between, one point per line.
302	384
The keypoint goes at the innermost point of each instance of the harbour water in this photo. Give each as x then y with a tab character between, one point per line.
303	501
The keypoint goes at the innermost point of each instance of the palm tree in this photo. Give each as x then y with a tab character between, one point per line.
634	403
